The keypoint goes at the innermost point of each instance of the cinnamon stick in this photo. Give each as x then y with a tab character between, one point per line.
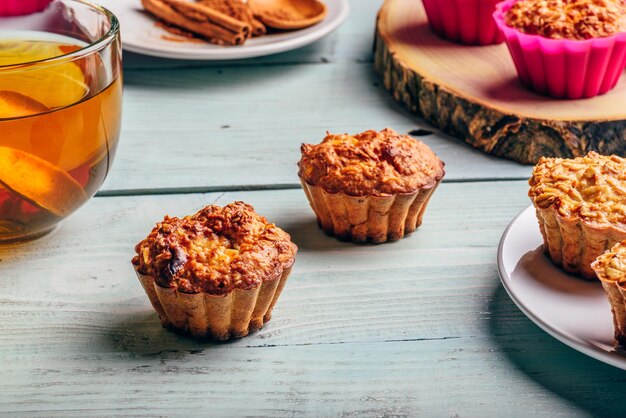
258	28
238	10
202	13
199	20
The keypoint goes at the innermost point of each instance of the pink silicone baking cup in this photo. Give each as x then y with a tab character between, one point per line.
22	7
469	22
562	68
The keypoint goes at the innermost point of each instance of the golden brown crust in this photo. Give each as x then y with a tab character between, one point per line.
568	19
580	208
370	164
591	188
610	268
215	251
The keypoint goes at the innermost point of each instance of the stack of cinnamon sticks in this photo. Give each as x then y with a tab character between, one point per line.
223	22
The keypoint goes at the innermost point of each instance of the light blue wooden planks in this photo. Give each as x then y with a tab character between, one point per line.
469	377
223	128
421	327
418	326
331	297
207	126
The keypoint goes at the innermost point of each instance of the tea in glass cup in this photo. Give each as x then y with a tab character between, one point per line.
60	113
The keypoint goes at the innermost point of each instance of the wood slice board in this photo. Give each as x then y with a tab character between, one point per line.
473	93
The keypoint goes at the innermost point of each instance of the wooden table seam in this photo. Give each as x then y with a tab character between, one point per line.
257	188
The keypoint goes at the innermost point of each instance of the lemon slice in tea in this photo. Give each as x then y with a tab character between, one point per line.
14	105
55	85
41	183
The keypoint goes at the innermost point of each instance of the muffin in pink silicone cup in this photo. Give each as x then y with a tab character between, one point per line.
22	7
469	22
564	48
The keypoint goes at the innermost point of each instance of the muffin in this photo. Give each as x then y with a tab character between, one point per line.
581	208
373	186
610	268
217	273
468	22
565	48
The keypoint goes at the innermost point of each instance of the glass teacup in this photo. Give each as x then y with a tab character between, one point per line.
60	112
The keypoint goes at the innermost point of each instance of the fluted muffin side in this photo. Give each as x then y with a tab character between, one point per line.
368	218
221	317
610	268
217	273
369	187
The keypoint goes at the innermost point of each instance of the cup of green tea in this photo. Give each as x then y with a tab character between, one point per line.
60	112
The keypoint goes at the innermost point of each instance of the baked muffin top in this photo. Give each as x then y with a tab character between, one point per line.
611	266
592	188
216	250
370	163
568	19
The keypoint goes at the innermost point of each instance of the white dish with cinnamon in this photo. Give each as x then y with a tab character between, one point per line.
143	34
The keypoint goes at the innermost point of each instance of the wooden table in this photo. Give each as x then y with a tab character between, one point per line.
417	327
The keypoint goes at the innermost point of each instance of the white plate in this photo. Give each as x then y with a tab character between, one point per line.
139	34
572	310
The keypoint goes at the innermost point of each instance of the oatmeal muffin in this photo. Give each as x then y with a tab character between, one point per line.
581	208
568	19
373	186
566	48
217	273
468	22
610	268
